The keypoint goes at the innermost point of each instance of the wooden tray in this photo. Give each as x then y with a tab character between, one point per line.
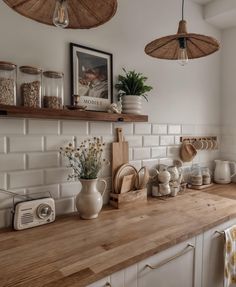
130	198
200	187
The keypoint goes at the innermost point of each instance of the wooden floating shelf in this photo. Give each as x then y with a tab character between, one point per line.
65	114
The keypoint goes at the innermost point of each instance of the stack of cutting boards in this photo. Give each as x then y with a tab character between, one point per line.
124	176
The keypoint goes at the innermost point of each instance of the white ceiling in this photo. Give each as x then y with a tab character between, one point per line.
220	13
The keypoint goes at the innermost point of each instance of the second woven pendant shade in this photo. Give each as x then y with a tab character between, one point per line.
196	45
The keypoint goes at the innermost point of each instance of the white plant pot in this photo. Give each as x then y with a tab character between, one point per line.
132	105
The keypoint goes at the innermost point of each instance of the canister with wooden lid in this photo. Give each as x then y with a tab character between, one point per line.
53	90
8	73
30	86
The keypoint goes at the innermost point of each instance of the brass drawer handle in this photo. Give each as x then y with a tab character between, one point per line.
188	248
107	284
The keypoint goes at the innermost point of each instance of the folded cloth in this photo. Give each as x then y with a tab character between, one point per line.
230	256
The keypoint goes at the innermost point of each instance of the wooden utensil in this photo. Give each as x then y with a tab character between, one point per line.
120	154
127	183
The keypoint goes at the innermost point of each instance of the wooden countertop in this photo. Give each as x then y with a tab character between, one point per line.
73	252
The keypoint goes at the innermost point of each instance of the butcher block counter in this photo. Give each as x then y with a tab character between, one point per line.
72	252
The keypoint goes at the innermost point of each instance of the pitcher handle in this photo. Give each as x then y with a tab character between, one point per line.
105	185
232	162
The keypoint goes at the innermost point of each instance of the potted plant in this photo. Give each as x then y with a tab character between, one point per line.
131	88
86	162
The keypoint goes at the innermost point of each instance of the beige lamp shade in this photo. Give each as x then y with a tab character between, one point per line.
83	14
197	45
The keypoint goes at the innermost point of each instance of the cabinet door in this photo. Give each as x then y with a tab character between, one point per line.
213	256
105	282
174	267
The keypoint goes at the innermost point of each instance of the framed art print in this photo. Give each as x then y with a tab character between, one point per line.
91	77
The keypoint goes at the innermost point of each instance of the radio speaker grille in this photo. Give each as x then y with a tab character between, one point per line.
27	218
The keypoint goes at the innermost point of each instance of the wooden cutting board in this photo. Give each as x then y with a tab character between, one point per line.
120	154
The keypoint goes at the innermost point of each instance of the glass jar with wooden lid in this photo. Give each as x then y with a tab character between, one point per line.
31	86
53	90
7	83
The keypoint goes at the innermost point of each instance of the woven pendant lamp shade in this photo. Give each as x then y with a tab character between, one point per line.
197	45
83	14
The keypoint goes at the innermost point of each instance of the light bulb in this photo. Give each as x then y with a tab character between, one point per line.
60	16
182	53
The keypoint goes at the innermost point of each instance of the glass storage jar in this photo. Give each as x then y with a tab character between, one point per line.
196	175
31	86
206	175
53	90
8	83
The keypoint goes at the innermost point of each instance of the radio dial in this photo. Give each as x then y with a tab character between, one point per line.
44	211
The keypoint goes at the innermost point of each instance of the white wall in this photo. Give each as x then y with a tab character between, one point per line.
228	100
183	95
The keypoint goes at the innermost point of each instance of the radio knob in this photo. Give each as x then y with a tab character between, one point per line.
44	211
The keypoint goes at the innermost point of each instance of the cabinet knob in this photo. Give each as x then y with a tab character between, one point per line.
177	255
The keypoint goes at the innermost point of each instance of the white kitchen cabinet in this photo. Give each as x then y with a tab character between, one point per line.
173	267
213	256
101	283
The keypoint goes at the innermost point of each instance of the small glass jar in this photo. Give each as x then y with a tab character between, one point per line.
8	83
31	86
196	175
53	90
206	175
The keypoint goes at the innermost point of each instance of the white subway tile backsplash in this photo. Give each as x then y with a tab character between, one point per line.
100	128
43	160
141	153
25	143
142	129
158	152
127	128
151	140
174	129
74	128
134	141
11	162
70	189
53	143
151	163
167	140
3	144
57	175
137	164
65	205
173	152
159	129
12	126
45	190
25	178
30	160
43	127
5	218
3	180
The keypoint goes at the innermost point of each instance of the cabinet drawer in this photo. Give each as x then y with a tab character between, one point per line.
173	267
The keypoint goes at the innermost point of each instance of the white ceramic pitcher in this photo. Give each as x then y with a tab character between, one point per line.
222	173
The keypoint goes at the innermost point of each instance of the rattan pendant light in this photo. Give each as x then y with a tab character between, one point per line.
183	45
78	14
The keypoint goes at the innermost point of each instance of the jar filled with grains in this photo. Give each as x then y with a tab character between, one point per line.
53	90
7	83
31	86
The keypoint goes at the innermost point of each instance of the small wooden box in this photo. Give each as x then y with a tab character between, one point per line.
130	198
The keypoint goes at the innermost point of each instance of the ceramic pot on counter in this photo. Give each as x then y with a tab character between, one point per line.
89	201
222	173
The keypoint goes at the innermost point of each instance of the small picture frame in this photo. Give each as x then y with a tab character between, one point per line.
92	77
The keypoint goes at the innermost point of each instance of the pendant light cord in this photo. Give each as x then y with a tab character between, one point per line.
182	9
